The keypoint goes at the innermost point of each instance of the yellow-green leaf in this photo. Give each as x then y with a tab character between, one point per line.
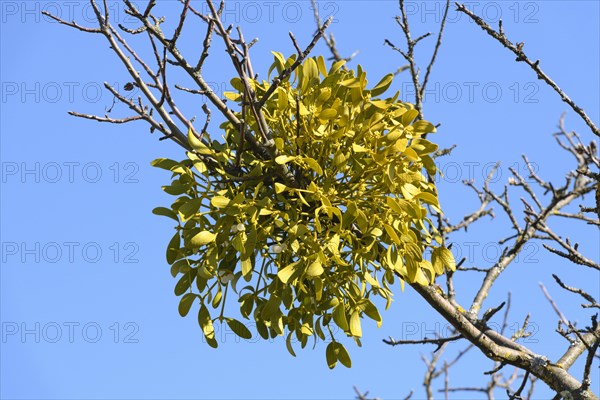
246	267
197	144
355	328
189	208
186	303
206	323
232	96
202	238
239	328
313	164
328	113
279	187
408	116
315	269
339	316
284	159
427	198
442	257
166	212
164	163
285	273
383	85
422	126
371	311
392	234
330	355
220	201
342	355
351	83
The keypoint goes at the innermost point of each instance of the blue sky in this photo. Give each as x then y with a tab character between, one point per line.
87	303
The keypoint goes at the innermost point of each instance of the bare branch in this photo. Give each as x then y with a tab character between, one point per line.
535	65
393	342
72	24
585	295
554	306
106	118
436	49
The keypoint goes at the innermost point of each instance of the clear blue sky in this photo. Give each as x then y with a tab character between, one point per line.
87	303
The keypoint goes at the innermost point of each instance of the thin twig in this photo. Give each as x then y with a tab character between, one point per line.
535	65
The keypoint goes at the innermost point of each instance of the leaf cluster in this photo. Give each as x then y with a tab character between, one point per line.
308	238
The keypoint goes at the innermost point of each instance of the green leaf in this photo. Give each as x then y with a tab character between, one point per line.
315	268
176	189
217	299
239	328
279	63
205	322
164	163
165	212
328	114
392	234
355	328
408	117
288	344
351	83
336	66
202	238
313	164
411	154
181	266
282	99
284	159
212	342
247	267
381	104
190	208
427	198
186	303
339	317
173	248
442	257
271	306
306	330
422	126
237	84
220	201
285	273
310	69
371	311
197	144
321	66
342	355
184	283
383	85
232	96
330	355
357	148
279	187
